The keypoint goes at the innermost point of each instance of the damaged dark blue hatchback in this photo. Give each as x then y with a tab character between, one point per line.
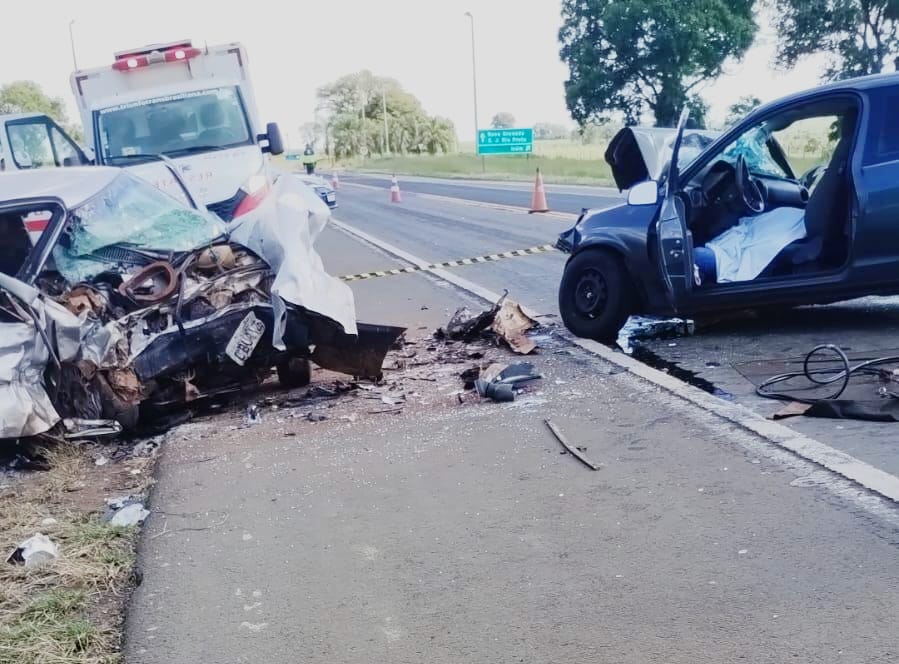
798	203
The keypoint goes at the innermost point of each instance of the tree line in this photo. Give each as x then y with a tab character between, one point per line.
352	112
634	57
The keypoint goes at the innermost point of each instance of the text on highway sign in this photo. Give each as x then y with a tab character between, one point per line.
505	141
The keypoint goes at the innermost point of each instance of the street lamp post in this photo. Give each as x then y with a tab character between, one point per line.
386	130
474	85
72	42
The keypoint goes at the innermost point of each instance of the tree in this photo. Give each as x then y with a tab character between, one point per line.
547	131
858	36
503	120
355	106
28	97
740	108
630	55
440	135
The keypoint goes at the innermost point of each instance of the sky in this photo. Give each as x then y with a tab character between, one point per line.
295	47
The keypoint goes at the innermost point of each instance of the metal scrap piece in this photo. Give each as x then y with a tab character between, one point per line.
575	452
511	323
151	284
465	325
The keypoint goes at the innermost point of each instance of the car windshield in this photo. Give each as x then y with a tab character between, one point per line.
132	213
173	125
753	146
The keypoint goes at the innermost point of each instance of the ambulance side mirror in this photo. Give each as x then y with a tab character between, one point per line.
273	136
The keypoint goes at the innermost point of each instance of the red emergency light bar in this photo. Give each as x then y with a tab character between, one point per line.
170	53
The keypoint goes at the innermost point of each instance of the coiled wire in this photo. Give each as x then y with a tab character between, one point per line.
820	377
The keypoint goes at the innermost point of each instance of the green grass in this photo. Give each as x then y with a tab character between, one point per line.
52	628
68	610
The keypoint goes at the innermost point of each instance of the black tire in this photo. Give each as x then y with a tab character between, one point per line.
596	295
295	372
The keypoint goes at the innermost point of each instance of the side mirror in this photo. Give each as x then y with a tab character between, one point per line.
273	136
643	193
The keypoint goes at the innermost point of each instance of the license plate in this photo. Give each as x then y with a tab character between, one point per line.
245	339
331	198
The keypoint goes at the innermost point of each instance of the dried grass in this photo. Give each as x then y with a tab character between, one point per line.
50	614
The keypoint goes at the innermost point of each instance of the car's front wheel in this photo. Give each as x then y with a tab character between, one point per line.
596	295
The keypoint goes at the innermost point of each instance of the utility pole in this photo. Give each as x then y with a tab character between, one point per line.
386	130
72	42
474	85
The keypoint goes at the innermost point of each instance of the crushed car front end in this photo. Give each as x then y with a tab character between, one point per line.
165	305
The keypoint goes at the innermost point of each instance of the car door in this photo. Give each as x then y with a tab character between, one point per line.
36	141
876	250
673	240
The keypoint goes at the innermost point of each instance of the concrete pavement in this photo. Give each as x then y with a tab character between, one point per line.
456	533
443	230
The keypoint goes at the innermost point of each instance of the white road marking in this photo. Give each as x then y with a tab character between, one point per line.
835	461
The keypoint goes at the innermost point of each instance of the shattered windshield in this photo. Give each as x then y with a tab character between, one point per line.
753	146
132	213
173	125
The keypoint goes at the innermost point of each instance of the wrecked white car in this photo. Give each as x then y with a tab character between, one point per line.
117	301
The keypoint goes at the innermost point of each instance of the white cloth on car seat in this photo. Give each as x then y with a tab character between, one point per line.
742	252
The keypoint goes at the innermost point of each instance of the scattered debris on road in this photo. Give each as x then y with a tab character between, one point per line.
642	328
576	452
511	323
506	320
34	551
823	382
498	382
129	516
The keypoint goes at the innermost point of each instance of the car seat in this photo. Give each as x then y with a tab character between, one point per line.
827	211
826	214
216	132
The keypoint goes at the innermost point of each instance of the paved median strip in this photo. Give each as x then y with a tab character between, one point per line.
489	258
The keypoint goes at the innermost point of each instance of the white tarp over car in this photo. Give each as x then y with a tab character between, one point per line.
288	247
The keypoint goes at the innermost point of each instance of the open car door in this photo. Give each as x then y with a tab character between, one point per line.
675	243
33	140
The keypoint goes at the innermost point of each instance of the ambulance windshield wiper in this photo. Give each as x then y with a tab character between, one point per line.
194	148
131	157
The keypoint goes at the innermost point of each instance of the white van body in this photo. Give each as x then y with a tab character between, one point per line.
195	106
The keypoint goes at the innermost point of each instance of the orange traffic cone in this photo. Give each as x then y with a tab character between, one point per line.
538	200
395	195
335	181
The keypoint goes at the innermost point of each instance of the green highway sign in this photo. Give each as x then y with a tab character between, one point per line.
505	141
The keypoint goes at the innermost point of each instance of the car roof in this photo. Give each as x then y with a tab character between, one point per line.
848	85
72	184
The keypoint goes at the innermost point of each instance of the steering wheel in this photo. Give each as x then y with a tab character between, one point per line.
809	178
749	188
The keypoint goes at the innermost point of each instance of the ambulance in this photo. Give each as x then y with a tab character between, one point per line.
160	108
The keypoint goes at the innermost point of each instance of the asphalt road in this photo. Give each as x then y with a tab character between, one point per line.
452	533
561	198
729	356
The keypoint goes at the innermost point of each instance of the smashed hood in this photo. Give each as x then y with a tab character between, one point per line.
636	154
